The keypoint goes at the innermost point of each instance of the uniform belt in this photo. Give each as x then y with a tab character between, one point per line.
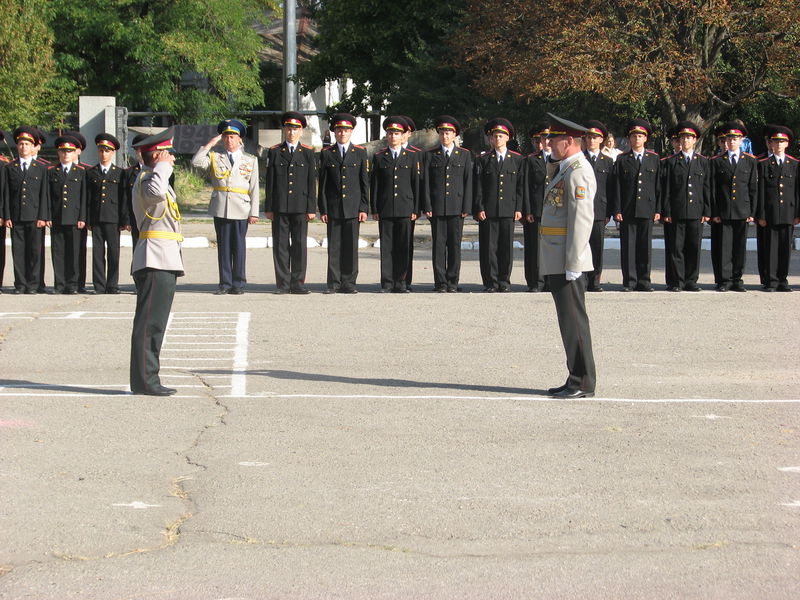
222	188
554	231
161	235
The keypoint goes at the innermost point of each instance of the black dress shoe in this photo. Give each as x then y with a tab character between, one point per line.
452	289
738	287
571	393
722	287
691	287
783	287
220	291
673	288
236	291
401	290
489	290
156	391
626	288
556	390
440	289
33	292
83	290
595	288
348	290
299	290
112	291
281	291
643	287
16	291
385	290
69	291
330	290
504	289
768	288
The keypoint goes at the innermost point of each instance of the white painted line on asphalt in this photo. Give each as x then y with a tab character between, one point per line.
795	504
253	463
197	335
709	417
138	505
239	376
526	398
789	469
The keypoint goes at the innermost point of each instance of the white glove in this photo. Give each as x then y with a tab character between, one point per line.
573	275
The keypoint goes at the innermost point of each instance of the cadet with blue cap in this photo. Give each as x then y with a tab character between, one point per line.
234	201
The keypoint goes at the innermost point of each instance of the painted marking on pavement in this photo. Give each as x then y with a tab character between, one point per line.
253	463
709	417
795	504
789	469
15	423
137	505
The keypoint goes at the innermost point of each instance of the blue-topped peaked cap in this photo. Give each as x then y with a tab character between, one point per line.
232	126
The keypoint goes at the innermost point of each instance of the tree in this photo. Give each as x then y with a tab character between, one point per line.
397	59
692	59
31	93
141	51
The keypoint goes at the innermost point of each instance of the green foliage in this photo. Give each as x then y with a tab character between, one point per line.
31	92
138	51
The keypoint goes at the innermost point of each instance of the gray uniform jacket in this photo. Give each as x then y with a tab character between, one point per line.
235	194
567	218
159	245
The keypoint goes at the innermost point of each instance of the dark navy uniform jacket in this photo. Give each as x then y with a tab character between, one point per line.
734	190
343	182
106	196
778	191
395	184
604	175
291	180
686	189
27	198
637	188
67	194
448	182
499	189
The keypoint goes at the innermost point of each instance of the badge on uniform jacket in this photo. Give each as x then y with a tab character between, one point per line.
556	195
580	193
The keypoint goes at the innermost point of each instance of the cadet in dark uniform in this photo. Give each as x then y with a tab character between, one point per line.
536	179
41	140
395	204
291	202
636	206
27	208
778	207
67	181
685	206
761	242
107	214
448	199
131	173
84	233
567	218
157	261
603	167
343	202
411	127
734	194
498	198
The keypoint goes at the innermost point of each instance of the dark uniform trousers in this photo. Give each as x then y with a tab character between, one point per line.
728	250
289	233
26	241
231	251
395	234
65	242
496	251
2	252
530	237
573	322
596	243
777	251
105	244
155	290
342	252
446	232
635	245
683	239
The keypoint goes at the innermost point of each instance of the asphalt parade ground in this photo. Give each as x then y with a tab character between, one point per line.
401	446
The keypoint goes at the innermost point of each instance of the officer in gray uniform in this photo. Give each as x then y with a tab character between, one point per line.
234	201
157	261
564	252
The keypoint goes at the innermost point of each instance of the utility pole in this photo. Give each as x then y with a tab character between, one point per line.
289	55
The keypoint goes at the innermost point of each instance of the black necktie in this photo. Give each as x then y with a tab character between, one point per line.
594	158
230	158
733	159
24	168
